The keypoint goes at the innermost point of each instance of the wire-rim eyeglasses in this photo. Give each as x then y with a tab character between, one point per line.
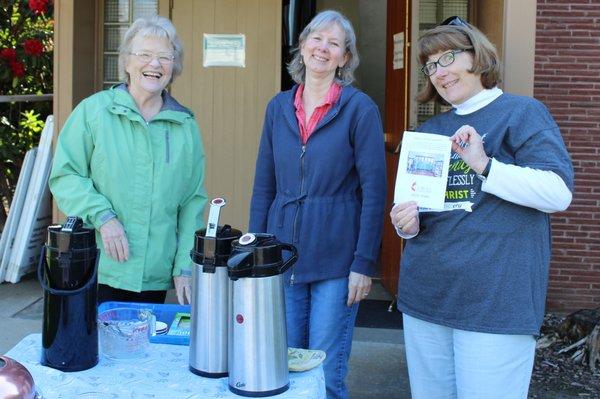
146	57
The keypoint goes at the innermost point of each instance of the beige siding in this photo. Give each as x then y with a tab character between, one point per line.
74	70
510	25
519	46
229	103
488	16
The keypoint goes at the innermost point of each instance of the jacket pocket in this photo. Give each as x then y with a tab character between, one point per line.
167	147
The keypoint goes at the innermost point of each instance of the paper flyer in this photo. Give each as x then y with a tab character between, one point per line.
224	50
423	169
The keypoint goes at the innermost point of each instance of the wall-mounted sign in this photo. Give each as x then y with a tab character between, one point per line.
399	50
224	50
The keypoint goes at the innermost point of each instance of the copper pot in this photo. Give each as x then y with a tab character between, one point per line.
15	380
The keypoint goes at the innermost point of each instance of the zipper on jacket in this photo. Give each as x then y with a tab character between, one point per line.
302	152
167	147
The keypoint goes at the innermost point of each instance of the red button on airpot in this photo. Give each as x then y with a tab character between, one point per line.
239	318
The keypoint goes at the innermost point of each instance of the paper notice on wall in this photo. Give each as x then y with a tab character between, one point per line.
224	50
423	170
399	50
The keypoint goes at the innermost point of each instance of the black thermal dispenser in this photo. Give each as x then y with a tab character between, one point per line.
68	272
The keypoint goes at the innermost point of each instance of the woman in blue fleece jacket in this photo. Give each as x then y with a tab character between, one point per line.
320	184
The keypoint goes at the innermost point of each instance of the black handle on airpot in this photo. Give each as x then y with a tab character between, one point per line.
259	255
292	259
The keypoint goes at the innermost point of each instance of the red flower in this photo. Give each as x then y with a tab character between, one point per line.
8	54
18	68
38	6
33	47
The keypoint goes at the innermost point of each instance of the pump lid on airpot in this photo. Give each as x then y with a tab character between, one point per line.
255	255
72	234
212	245
215	250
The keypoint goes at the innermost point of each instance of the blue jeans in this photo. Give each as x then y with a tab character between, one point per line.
318	318
448	363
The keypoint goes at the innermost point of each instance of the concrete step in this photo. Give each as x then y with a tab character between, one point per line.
378	370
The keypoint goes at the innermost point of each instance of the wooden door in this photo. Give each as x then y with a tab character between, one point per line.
229	102
396	121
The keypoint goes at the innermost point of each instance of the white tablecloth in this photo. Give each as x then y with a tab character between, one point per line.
162	374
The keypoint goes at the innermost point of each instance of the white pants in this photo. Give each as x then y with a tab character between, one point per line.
449	363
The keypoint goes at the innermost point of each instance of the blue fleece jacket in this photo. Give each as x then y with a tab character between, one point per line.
328	196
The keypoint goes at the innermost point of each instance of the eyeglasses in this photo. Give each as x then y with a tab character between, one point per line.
163	58
455	21
444	60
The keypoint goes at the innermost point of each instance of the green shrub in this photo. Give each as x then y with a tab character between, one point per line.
26	45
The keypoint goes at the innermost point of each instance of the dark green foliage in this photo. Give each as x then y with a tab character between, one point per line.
26	46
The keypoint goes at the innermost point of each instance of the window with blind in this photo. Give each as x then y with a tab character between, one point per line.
431	14
118	16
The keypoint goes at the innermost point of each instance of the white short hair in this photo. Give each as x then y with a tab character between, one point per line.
156	26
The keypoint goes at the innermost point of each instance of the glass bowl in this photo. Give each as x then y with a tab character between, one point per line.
124	333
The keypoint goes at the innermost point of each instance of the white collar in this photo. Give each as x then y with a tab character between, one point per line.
478	101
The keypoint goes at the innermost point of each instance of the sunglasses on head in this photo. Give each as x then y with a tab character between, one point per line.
455	21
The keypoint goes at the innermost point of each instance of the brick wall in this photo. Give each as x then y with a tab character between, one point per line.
567	80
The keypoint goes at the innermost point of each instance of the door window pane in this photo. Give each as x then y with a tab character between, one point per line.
111	71
113	36
432	13
118	16
144	8
116	11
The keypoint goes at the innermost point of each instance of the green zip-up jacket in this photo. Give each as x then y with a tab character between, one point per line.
109	162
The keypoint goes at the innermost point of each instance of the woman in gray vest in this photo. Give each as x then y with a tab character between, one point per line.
474	276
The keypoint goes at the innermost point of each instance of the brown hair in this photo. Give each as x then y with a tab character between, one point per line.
452	37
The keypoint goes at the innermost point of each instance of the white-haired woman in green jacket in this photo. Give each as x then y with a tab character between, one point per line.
130	162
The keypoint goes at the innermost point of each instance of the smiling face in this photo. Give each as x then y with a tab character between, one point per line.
324	51
150	77
454	82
